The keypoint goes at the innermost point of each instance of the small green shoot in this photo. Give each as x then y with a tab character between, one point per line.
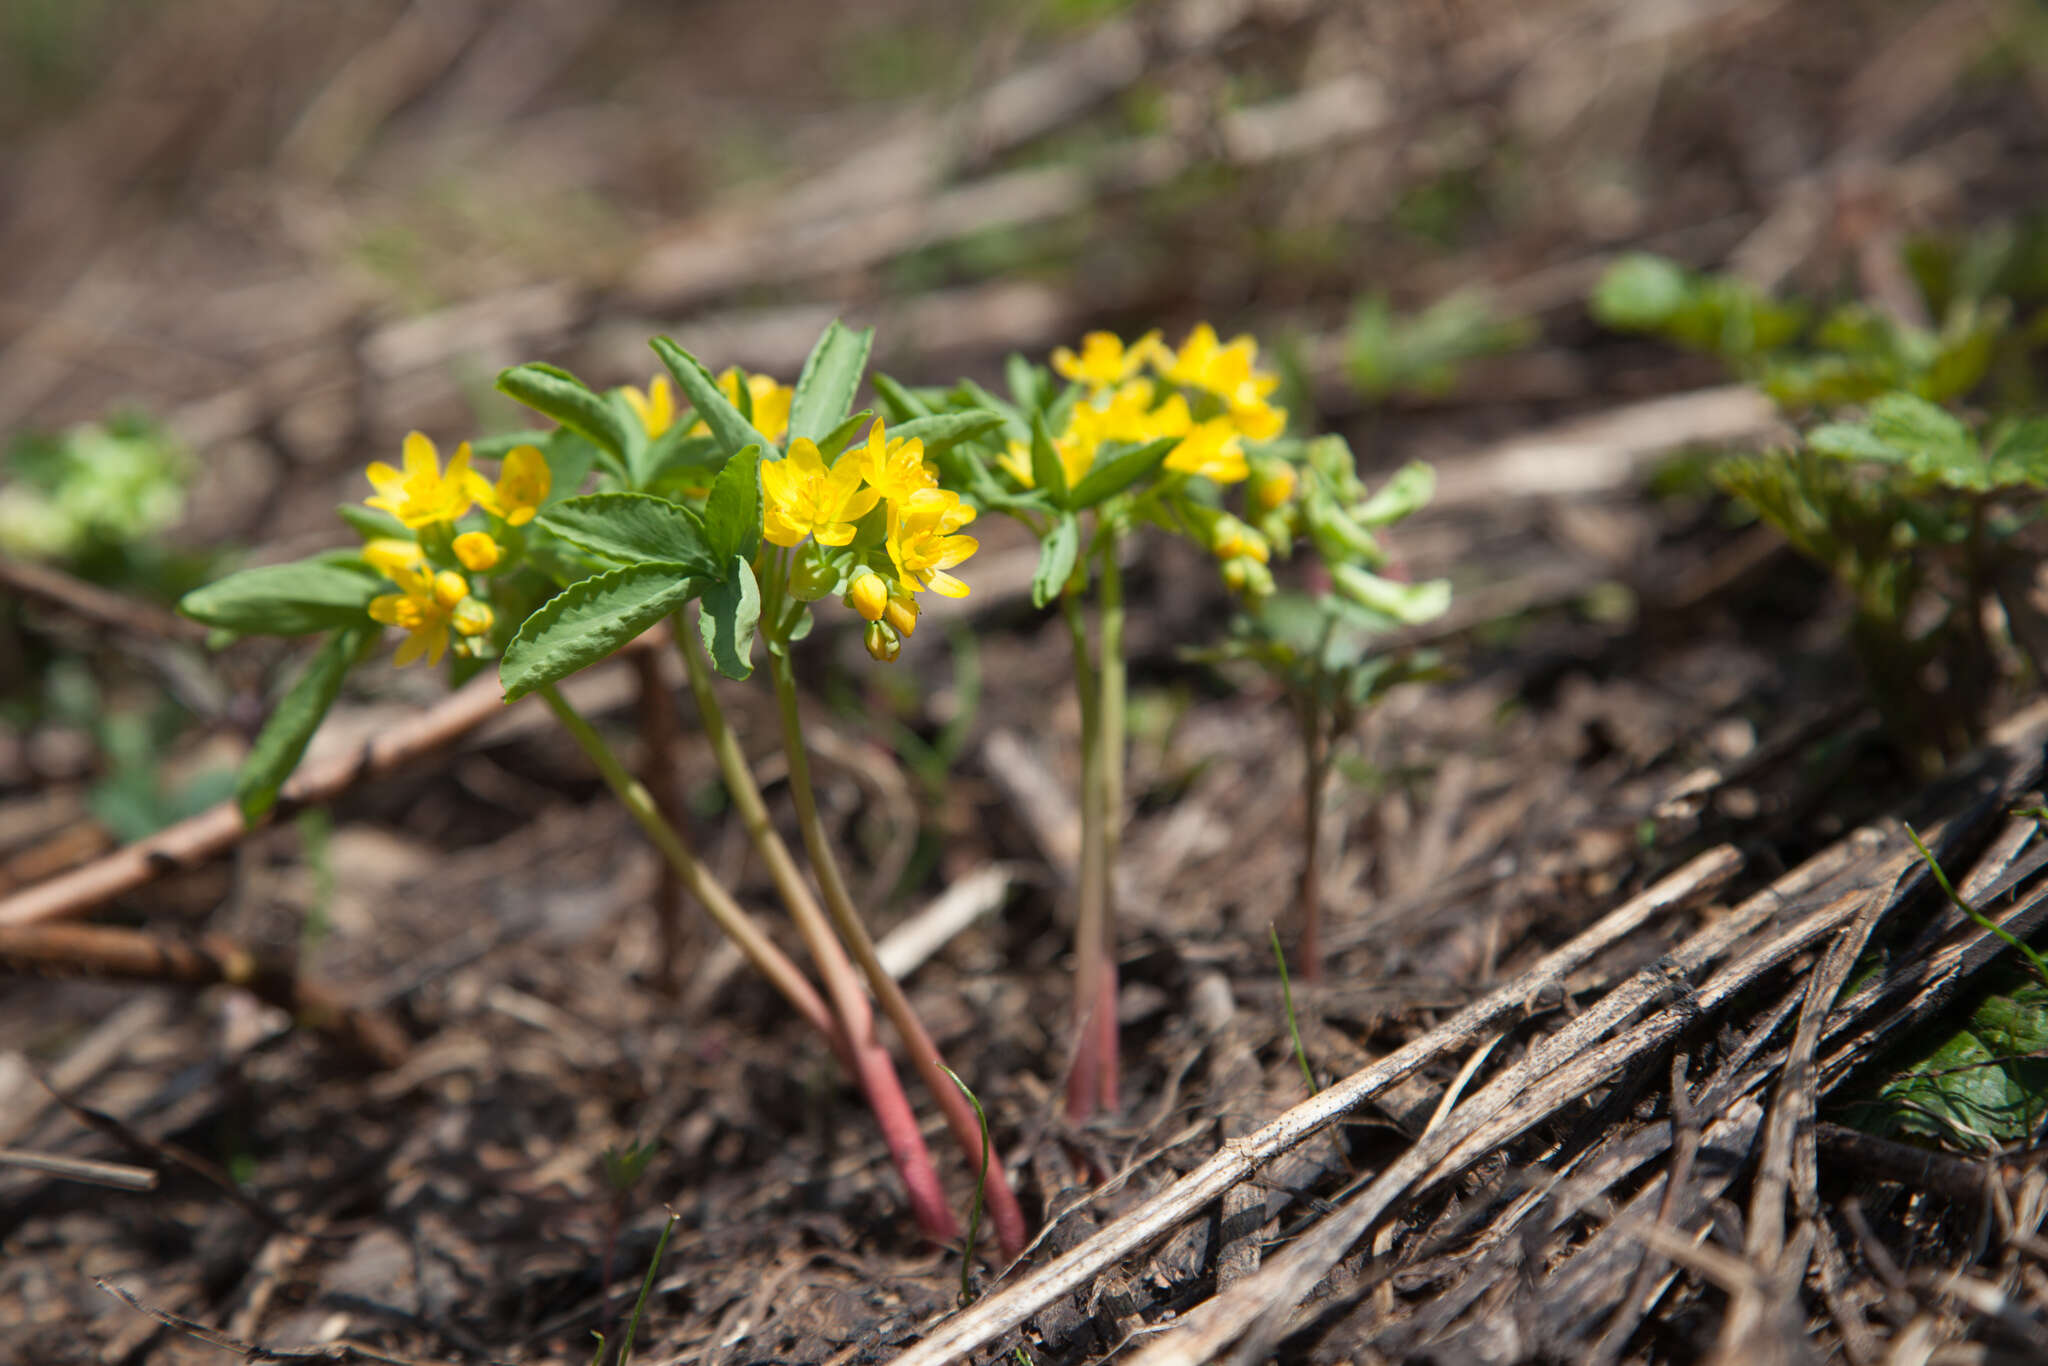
1293	1024
646	1289
980	1185
1984	922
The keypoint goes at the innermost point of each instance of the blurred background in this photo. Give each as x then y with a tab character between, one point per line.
284	234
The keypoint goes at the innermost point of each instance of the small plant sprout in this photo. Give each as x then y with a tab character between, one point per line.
753	500
1915	499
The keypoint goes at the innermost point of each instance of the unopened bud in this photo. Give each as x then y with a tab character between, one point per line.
1248	578
813	575
869	594
472	618
477	551
882	641
1272	484
902	613
449	589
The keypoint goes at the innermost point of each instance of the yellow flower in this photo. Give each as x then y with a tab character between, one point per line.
868	595
1227	372
477	551
424	606
1104	359
423	494
1212	450
388	556
895	469
523	484
770	402
655	408
804	498
922	543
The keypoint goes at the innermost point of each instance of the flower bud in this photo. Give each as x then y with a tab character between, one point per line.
472	617
882	641
477	551
1230	539
1272	484
869	594
812	575
1248	578
902	612
449	589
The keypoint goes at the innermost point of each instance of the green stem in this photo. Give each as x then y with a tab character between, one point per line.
1110	672
842	987
752	941
968	1128
1090	938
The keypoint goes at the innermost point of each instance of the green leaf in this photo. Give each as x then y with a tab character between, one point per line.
373	523
1056	560
568	400
1411	488
839	438
830	378
499	446
899	404
676	449
1640	292
1934	440
1407	603
1986	1083
570	458
2021	454
943	431
727	617
631	528
1118	473
286	599
732	514
284	737
588	620
1026	381
1048	471
732	428
1852	441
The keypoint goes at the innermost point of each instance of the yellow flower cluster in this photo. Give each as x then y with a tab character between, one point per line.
427	500
803	498
1214	401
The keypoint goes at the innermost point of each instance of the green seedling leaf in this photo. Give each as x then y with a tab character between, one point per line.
553	391
1408	603
588	620
733	429
286	599
1934	440
633	528
284	737
732	514
1113	476
1056	559
830	378
2020	455
730	611
1048	471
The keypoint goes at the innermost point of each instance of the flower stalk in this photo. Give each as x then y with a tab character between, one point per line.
970	1130
877	1074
